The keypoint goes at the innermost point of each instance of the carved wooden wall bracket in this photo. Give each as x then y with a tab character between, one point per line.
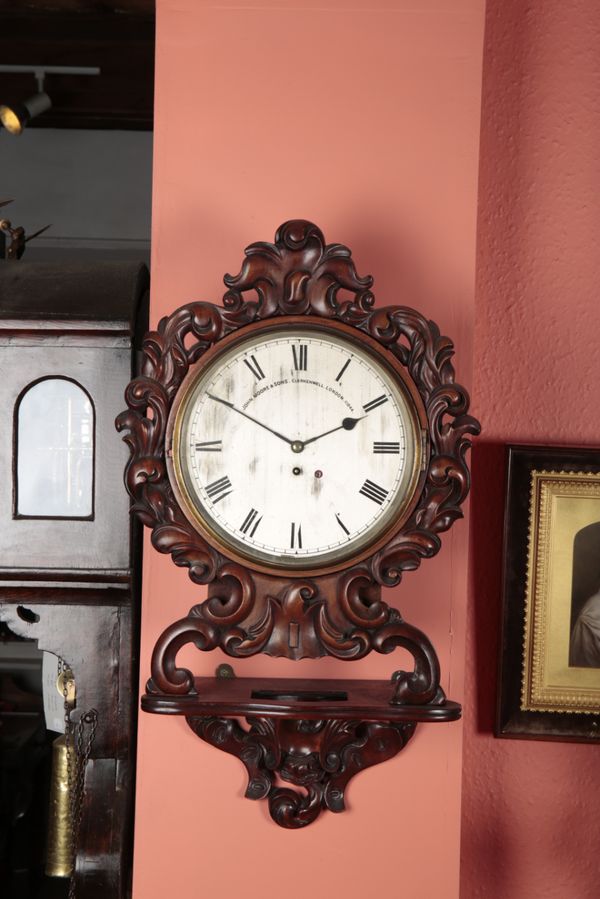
315	744
315	735
317	757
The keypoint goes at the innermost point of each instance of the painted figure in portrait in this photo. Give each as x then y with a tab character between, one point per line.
584	647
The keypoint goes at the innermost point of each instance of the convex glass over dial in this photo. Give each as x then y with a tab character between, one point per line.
296	447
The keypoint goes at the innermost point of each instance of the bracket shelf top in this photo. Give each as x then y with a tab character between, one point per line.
296	698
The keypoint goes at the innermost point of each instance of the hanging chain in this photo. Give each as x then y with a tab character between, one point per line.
79	739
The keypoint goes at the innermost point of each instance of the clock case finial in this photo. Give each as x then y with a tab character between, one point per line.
313	734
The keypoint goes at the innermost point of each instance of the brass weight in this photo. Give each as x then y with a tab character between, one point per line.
58	850
59	854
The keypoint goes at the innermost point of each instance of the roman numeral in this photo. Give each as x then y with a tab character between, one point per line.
255	368
383	447
341	524
296	536
210	446
250	522
218	490
300	356
373	491
379	401
343	368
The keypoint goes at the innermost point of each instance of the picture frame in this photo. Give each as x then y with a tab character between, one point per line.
549	672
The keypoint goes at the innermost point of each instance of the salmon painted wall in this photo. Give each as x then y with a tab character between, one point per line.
365	119
531	808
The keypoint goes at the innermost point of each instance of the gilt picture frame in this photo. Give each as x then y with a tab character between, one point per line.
549	679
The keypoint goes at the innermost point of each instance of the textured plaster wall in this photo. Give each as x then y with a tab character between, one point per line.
365	118
530	809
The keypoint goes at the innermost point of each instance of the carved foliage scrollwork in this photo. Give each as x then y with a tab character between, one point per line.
300	623
317	757
299	274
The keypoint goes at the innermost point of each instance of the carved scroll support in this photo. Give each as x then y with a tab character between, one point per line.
319	758
300	615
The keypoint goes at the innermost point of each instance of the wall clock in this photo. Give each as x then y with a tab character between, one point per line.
297	449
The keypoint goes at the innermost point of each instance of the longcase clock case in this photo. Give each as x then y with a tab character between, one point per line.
69	568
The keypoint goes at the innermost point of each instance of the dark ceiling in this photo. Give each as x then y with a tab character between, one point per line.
116	37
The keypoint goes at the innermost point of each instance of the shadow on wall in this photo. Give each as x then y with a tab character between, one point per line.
391	262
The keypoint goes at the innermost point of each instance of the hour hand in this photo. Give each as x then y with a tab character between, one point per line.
261	424
347	424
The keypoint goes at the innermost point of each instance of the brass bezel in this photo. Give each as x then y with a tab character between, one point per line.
305	565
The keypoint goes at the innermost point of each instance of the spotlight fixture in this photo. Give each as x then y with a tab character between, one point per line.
16	116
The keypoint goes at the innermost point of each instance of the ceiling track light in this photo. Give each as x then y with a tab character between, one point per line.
16	116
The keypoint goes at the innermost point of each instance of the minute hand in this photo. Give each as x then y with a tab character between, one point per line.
348	424
249	417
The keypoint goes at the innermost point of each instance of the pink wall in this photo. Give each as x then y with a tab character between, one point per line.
530	825
364	118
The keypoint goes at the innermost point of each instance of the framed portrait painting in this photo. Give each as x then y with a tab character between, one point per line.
550	644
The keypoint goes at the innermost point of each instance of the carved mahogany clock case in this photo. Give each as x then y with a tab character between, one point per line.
297	449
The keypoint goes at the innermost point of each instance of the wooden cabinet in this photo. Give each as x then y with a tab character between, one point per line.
70	560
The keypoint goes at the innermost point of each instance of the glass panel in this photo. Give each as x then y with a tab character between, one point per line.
55	446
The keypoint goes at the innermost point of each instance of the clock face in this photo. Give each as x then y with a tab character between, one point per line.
297	448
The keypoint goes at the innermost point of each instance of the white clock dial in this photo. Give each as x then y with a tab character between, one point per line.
297	448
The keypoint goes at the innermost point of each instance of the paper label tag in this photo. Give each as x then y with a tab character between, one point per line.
54	703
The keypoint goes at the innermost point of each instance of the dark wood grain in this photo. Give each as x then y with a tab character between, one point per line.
103	867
